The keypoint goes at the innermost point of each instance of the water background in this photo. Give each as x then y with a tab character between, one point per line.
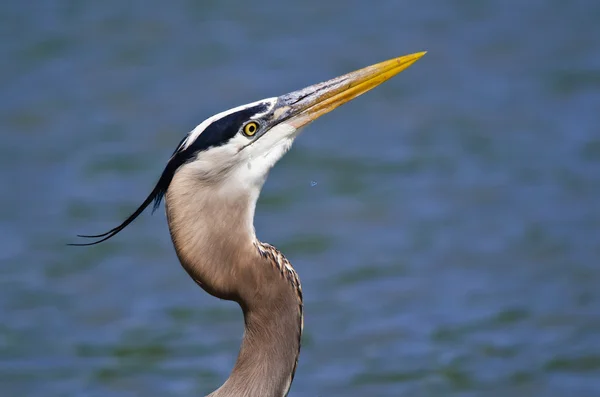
450	245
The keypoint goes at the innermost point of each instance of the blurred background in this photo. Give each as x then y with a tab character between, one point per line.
446	226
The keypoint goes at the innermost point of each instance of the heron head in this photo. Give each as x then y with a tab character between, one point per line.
240	146
234	150
236	147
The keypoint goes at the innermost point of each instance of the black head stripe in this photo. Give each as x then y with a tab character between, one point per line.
218	133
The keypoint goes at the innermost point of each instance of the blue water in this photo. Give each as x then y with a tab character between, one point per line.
446	226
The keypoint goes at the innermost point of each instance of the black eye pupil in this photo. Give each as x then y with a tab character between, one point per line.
251	128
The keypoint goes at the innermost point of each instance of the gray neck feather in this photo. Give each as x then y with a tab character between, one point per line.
213	235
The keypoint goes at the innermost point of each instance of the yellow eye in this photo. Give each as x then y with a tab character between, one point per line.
251	128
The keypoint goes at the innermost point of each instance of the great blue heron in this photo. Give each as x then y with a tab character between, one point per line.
211	184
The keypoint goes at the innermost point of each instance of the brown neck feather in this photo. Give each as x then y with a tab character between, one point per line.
214	239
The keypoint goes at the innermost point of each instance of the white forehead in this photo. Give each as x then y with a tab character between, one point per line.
193	135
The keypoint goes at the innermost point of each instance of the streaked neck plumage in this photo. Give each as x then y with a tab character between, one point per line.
213	234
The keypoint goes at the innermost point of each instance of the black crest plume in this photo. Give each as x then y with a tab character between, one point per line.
156	195
217	133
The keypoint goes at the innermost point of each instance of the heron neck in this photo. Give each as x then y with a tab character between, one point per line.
269	351
214	239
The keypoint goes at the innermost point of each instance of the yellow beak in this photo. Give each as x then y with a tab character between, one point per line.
300	107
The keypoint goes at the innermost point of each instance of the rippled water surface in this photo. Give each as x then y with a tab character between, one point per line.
446	226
